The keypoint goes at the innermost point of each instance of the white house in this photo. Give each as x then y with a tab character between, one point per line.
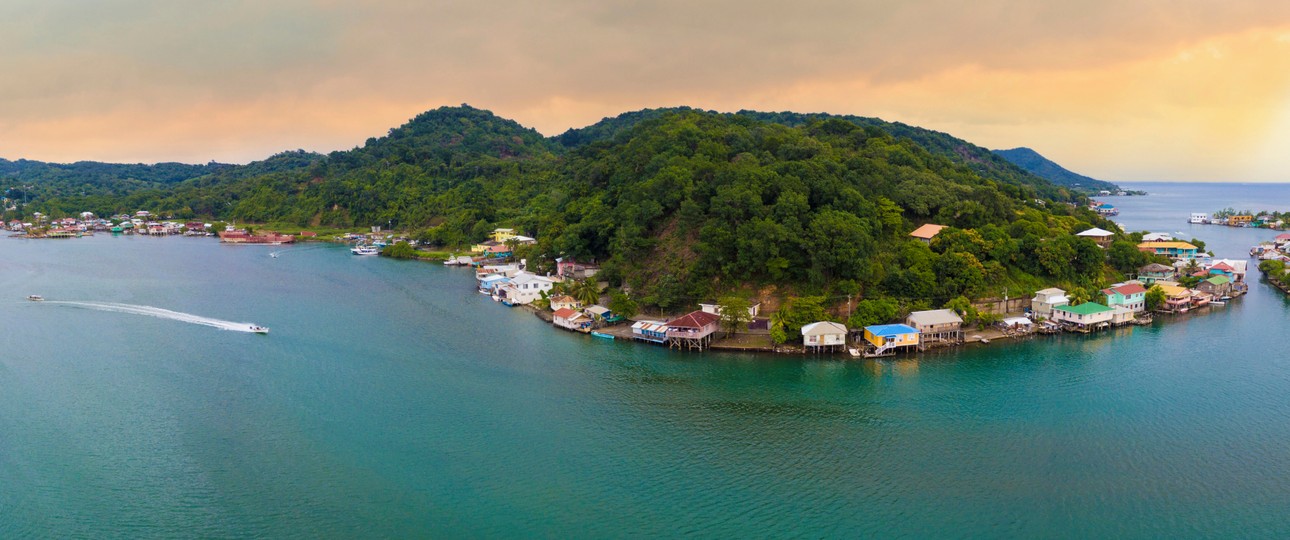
1157	237
1100	236
715	309
524	288
1045	300
824	334
1088	315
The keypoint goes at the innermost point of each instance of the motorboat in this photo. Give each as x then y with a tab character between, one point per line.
364	250
259	329
35	298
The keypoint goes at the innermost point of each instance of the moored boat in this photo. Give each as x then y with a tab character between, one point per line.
364	250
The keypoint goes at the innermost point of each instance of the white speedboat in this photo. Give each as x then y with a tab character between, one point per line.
35	298
364	250
259	329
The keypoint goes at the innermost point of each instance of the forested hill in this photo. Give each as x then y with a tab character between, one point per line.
40	181
1032	161
684	205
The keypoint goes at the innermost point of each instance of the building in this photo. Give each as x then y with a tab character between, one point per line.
1101	237
891	337
1045	300
926	232
1199	217
1106	209
1154	272
524	288
1158	237
1121	316
489	283
1242	220
572	320
1177	298
1232	268
502	235
651	331
572	269
1084	317
692	331
1173	250
1131	295
1217	286
715	309
936	326
824	335
565	302
602	314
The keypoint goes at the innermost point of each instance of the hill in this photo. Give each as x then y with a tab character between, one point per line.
1032	161
683	205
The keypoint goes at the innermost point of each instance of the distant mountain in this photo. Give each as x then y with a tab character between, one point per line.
1039	165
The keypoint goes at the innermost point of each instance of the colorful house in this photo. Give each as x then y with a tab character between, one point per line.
1131	295
1173	250
1240	220
1154	272
651	331
1177	298
886	337
1086	316
824	335
502	235
603	314
524	288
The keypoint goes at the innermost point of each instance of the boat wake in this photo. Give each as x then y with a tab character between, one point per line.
162	314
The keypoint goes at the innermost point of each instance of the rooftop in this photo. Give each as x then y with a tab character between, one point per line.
1175	245
823	328
935	316
927	231
693	319
887	330
1096	232
1087	308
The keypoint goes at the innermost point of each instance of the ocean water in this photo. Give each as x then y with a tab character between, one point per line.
390	400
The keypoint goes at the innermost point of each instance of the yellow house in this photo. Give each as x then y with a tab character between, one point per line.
502	235
891	335
1240	220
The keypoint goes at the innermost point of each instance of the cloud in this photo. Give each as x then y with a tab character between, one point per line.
1105	87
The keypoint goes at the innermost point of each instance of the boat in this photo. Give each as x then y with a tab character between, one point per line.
364	250
602	335
1217	303
259	329
35	298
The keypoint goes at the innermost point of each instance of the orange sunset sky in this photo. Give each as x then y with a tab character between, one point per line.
1123	91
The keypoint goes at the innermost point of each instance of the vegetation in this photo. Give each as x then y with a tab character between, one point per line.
1273	270
1032	161
733	310
682	206
1155	298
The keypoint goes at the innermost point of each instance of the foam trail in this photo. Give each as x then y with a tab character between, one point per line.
159	313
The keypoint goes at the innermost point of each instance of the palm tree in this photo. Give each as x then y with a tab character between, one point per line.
1078	296
587	291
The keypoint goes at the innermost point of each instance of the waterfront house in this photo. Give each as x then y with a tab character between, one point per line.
692	331
936	325
602	314
1106	209
1121	316
572	320
565	301
1218	286
651	331
1045	300
887	337
483	247
1131	295
1101	237
1242	220
1199	217
1154	272
926	232
824	335
524	288
499	251
1173	250
1084	317
1158	237
1177	298
488	283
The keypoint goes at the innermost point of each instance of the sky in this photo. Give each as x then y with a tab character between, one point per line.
1182	90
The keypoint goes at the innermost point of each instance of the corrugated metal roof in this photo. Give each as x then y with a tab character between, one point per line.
886	330
935	316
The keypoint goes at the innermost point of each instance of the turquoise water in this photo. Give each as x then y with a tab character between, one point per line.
392	401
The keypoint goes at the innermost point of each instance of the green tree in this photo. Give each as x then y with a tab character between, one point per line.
964	308
1079	295
1274	270
587	291
1155	298
872	311
622	304
734	312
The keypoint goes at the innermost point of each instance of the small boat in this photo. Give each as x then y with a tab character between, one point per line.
35	298
259	329
1217	303
364	250
602	335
